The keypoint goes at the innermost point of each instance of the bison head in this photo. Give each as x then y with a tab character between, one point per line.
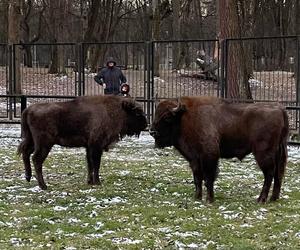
166	125
135	118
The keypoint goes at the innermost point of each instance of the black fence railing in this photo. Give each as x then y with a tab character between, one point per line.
264	69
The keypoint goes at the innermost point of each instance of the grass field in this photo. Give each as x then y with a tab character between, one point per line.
145	202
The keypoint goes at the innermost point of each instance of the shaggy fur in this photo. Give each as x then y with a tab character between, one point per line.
204	129
93	122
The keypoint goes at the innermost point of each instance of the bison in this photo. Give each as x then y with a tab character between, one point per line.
205	129
93	122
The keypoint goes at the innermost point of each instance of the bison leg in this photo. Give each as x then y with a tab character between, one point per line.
93	162
281	157
277	186
38	158
198	178
27	150
97	160
210	167
267	165
89	167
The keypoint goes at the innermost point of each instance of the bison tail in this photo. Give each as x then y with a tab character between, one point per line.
282	153
26	146
281	158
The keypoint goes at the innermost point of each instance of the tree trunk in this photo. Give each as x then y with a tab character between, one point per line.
28	56
297	18
53	69
14	20
237	74
176	34
4	21
58	11
97	55
156	34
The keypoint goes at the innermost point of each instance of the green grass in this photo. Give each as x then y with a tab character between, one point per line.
145	202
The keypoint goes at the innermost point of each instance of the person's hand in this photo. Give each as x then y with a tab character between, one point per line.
104	85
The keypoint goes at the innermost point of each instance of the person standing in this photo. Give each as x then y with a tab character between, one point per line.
111	78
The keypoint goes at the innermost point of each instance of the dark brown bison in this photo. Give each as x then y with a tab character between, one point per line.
204	129
92	122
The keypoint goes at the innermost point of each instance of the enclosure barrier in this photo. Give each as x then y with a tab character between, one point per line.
155	70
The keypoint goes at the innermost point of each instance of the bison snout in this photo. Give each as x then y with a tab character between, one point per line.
153	133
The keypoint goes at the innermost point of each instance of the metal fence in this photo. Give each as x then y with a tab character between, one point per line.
270	65
4	76
155	70
178	71
37	77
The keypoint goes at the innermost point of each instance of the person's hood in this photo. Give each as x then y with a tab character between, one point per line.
110	59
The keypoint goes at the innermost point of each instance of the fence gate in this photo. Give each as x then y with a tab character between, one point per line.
155	70
131	58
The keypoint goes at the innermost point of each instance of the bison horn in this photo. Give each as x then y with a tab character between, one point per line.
180	108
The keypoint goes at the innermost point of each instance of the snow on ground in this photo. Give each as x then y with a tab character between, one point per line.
94	207
10	136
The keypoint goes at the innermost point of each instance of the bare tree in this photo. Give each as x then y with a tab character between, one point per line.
28	36
237	75
3	20
14	21
176	33
297	17
55	16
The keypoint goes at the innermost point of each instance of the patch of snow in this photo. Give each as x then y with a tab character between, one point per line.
186	234
99	235
60	208
35	189
114	200
124	172
73	220
246	225
125	241
99	224
164	230
70	248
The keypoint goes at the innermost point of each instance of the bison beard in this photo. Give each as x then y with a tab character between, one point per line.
92	122
204	129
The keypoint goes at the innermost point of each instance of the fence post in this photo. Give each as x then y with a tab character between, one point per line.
83	69
10	80
152	80
297	80
148	78
23	103
224	65
79	67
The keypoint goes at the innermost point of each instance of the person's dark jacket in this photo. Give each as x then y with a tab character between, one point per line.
112	77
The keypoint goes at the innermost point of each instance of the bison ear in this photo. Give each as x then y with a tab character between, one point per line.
179	109
128	104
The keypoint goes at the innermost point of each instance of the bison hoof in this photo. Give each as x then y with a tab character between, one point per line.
43	186
210	200
97	182
198	196
91	182
261	200
28	178
274	198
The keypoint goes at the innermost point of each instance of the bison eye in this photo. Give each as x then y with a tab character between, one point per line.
153	133
168	118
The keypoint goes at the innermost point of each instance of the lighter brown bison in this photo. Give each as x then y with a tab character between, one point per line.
204	129
92	122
